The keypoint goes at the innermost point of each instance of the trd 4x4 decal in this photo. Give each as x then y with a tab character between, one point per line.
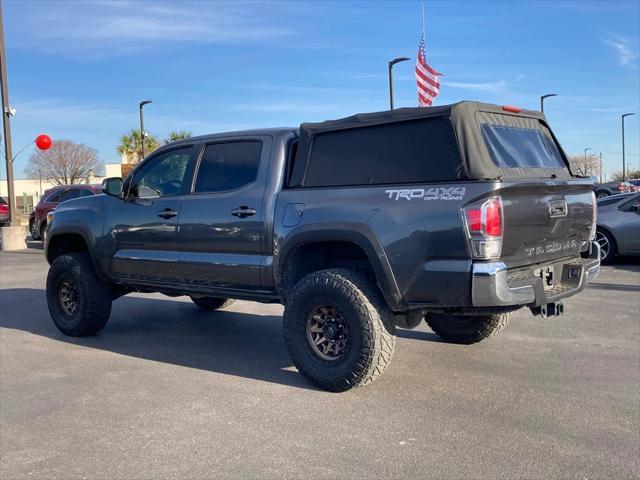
435	193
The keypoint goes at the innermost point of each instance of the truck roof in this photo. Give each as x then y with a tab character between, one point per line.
467	119
363	119
464	107
277	131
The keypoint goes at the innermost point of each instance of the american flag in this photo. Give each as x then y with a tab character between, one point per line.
427	78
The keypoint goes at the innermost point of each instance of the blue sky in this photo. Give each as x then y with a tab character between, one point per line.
77	70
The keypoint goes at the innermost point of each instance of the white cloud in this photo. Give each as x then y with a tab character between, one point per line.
490	87
113	27
623	49
286	107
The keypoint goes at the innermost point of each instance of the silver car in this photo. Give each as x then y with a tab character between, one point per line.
618	231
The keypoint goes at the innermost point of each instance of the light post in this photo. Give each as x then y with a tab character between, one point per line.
600	167
7	113
542	100
623	159
585	160
391	64
142	104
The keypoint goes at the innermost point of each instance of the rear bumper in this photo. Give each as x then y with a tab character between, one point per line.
493	284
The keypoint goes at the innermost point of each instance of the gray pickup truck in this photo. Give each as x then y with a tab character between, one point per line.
457	215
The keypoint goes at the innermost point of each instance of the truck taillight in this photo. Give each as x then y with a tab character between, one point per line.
484	225
621	187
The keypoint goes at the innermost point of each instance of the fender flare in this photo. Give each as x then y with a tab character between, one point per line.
357	234
84	233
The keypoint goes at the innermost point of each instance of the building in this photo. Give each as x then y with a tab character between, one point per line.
28	190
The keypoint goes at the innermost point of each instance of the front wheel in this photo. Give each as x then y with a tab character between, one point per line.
33	230
79	302
338	330
602	194
466	329
43	227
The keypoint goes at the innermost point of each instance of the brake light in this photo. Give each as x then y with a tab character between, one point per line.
484	225
512	109
622	187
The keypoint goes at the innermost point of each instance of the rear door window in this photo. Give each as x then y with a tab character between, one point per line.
54	197
228	166
415	151
514	147
69	194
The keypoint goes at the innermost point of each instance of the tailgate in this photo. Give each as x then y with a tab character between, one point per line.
545	220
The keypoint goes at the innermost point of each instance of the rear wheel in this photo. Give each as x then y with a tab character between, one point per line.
212	303
607	246
602	194
466	329
79	302
338	330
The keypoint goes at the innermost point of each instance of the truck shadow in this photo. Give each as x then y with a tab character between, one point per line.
232	343
179	333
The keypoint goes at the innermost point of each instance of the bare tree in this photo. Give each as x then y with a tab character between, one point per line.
65	163
586	166
630	174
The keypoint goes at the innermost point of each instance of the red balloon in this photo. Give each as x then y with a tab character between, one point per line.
43	142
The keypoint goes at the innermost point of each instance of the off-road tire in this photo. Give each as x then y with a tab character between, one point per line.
467	329
371	338
212	303
93	296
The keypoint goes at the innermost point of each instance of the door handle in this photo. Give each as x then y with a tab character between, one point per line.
243	212
167	213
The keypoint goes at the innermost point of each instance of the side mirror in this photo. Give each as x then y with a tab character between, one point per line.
112	186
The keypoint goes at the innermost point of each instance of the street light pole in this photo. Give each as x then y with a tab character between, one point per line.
391	64
542	100
142	104
600	167
6	117
623	160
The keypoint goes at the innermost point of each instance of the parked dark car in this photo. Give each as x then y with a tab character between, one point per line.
457	215
4	212
618	231
50	199
603	190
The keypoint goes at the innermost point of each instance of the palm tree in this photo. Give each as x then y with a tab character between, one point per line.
131	145
177	135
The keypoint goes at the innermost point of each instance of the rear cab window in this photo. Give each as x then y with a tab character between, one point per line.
515	147
403	152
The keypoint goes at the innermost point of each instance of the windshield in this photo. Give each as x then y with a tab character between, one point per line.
514	147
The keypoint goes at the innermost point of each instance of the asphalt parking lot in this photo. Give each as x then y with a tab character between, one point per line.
168	391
